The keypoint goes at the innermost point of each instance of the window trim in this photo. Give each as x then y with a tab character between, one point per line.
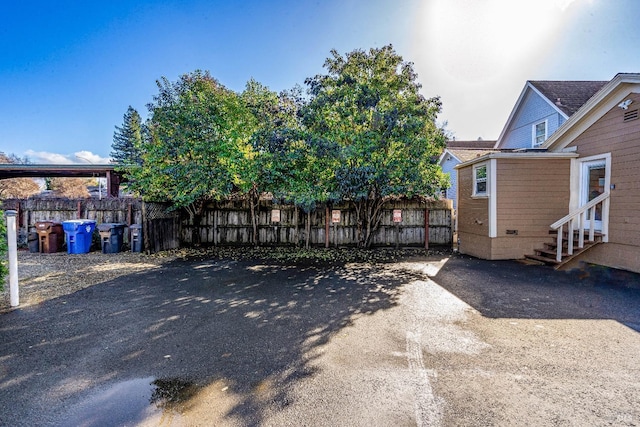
533	133
476	167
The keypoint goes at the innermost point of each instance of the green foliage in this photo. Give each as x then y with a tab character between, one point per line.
286	163
366	134
127	139
4	270
198	143
384	131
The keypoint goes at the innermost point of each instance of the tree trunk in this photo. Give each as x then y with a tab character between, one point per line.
308	227
254	221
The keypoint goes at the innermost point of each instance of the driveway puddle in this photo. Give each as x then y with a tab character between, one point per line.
142	401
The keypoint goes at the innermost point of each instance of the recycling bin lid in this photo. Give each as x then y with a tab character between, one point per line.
135	226
75	224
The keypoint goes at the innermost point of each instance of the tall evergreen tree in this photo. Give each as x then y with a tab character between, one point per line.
127	140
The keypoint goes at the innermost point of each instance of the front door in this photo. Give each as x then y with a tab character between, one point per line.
593	184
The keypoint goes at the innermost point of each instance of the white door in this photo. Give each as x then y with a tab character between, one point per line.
594	177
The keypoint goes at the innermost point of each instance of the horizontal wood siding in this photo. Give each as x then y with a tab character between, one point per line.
473	218
610	134
626	257
532	194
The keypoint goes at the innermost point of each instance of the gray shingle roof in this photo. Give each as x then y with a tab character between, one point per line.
568	96
466	155
479	144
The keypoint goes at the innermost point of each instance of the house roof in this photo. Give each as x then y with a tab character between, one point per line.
471	145
602	101
568	96
464	155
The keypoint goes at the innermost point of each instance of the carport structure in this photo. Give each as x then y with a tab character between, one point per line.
114	178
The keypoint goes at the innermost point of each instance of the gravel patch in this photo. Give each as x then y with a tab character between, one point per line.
47	276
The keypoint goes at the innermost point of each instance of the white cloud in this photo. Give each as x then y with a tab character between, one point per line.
84	157
87	156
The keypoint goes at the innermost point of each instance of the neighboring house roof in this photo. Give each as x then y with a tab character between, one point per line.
610	95
479	144
566	97
463	155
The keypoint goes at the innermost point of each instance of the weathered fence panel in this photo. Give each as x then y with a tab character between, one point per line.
228	223
160	227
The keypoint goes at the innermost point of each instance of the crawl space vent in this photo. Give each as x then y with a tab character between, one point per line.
631	115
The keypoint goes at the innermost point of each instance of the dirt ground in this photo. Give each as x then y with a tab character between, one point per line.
435	339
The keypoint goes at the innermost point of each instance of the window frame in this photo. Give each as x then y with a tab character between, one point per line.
477	180
534	136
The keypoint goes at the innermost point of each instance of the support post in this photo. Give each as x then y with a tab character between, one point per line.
326	227
426	228
12	242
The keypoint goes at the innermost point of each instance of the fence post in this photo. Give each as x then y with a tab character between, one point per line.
326	227
12	242
426	228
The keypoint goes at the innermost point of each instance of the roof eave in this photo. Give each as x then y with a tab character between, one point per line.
518	155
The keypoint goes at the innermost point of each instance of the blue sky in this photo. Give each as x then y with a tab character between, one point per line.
70	69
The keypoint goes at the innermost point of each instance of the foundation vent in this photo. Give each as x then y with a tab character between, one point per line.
630	115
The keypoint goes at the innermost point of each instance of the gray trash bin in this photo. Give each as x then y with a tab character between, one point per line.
136	237
111	237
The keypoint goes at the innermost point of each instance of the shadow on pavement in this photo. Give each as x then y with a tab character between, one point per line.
510	289
250	326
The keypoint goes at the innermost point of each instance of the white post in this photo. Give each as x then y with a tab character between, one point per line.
559	245
12	242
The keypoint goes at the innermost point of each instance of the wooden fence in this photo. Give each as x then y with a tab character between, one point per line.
229	223
123	210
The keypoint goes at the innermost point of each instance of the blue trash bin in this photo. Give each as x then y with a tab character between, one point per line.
79	233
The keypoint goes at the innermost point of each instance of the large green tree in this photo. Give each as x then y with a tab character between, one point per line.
197	146
127	139
286	162
385	134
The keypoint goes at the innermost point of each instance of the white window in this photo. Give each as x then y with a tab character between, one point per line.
480	180
539	133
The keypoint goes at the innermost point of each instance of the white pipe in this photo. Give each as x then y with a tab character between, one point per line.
12	242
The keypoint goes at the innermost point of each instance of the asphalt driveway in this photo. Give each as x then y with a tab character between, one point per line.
453	341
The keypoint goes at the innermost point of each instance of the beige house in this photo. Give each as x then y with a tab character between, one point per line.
575	198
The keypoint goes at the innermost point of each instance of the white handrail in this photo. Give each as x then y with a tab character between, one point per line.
580	216
581	209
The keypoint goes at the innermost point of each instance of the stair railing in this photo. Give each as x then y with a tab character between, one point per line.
581	219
